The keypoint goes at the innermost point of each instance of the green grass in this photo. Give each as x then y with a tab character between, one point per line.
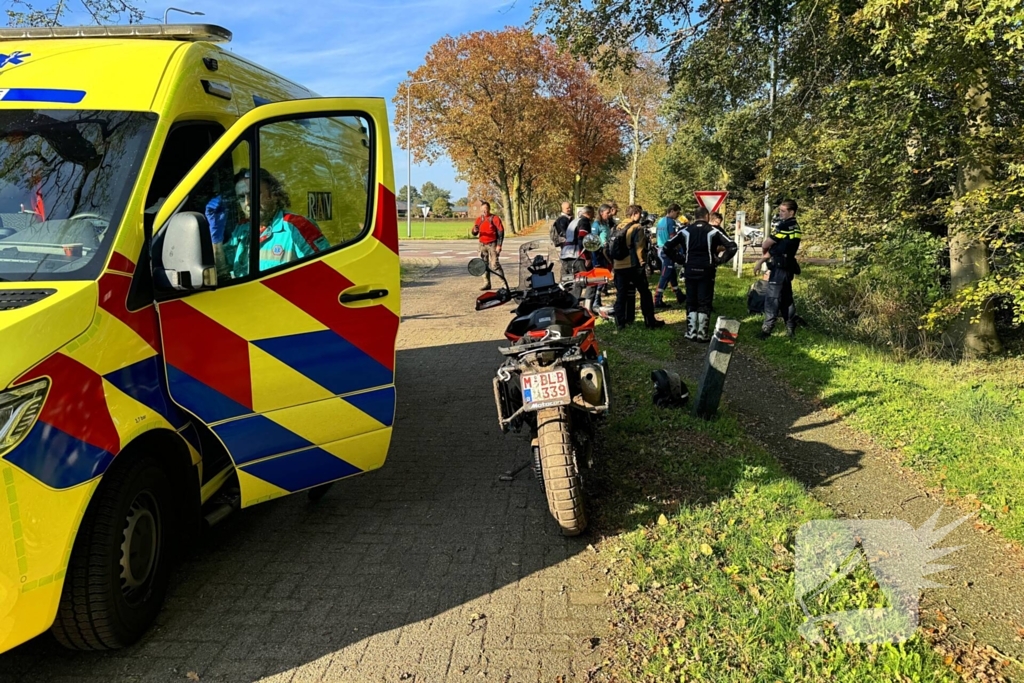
702	524
961	425
456	230
439	230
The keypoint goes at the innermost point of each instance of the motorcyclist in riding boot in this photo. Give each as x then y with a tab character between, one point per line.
699	248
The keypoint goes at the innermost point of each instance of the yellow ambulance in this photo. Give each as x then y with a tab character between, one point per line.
199	300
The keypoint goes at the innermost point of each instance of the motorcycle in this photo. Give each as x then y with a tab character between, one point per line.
554	379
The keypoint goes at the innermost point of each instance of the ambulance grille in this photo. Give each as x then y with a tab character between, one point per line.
19	298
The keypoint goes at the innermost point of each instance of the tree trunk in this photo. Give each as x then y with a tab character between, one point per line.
968	254
506	210
517	201
634	170
968	263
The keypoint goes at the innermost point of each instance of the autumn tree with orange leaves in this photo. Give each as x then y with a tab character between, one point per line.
591	128
511	113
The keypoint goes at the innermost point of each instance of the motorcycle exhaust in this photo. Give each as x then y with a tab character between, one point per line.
592	384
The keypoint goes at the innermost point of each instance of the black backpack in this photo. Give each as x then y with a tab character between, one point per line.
618	244
557	232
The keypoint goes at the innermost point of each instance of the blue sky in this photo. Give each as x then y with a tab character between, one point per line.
347	48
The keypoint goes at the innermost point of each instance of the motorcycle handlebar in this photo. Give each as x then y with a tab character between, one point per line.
588	281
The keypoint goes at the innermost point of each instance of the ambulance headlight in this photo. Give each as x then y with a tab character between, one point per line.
19	409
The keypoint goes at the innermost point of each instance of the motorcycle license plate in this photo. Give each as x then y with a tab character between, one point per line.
545	389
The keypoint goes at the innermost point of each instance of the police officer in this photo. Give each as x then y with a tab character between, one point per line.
780	250
699	248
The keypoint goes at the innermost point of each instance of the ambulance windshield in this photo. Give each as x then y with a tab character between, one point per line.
65	178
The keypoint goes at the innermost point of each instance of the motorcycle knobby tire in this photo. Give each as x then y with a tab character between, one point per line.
561	476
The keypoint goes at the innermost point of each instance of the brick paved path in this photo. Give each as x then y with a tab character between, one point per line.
429	569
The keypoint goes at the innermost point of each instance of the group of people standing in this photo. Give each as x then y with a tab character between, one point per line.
623	248
697	247
693	249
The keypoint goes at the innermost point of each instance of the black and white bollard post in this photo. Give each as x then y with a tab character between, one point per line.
712	380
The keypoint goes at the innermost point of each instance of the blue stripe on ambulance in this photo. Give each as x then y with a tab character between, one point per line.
206	402
144	382
41	95
329	360
58	459
379	404
256	437
297	471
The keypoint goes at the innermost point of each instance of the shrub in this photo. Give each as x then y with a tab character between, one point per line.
882	297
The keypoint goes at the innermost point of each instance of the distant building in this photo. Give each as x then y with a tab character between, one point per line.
460	211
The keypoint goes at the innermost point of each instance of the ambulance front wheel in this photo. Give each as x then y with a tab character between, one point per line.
117	577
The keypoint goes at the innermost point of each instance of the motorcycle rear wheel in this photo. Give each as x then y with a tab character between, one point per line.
561	475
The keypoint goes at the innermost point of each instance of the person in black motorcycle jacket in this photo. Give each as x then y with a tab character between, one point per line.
700	248
780	249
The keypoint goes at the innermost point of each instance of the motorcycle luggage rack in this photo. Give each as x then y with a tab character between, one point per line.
505	422
517	349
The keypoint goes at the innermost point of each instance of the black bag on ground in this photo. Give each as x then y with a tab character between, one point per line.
756	296
755	300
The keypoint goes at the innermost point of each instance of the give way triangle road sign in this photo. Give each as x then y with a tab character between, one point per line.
711	199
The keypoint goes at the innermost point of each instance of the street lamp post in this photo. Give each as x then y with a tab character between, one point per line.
183	11
408	151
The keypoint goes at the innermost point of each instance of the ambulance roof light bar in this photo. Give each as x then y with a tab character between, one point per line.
185	32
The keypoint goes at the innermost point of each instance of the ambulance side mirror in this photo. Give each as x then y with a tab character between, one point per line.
183	258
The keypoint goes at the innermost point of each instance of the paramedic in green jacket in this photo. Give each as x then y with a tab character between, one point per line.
283	236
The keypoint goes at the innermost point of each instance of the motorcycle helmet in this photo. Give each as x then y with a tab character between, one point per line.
669	389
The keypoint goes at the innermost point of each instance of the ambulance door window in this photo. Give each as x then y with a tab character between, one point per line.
222	195
315	187
185	145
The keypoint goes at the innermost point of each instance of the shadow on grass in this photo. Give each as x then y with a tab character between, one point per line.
655	459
